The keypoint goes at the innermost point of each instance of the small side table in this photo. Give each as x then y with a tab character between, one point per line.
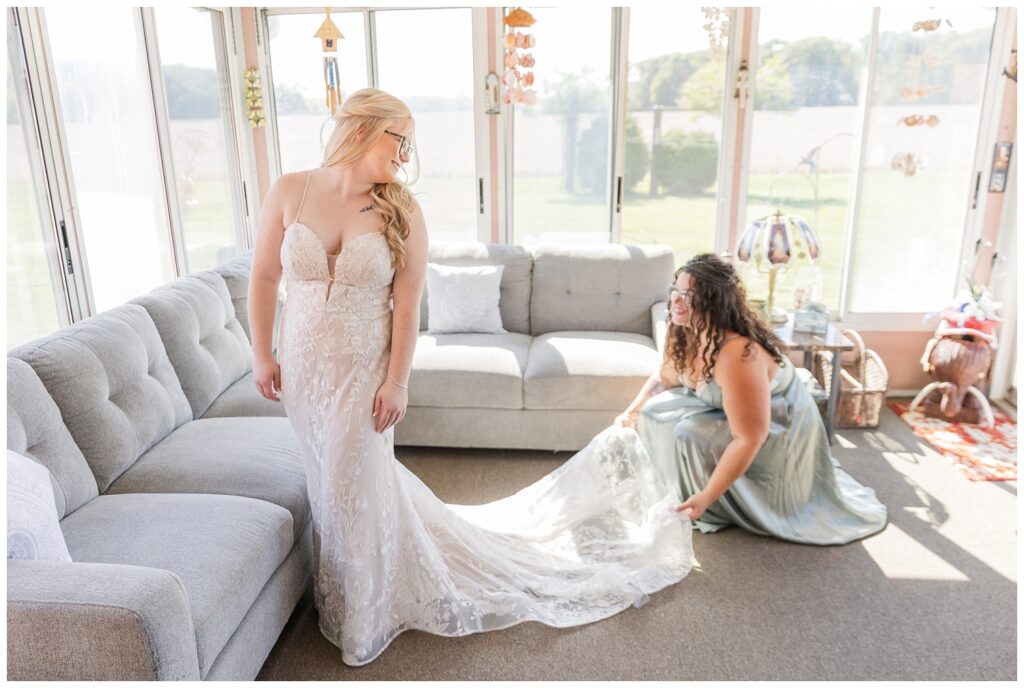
833	340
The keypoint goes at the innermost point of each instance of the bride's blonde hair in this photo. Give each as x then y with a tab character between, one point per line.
359	124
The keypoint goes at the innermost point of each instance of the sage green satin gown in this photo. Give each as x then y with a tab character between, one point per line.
794	489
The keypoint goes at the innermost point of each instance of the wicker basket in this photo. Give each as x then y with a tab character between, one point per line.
863	384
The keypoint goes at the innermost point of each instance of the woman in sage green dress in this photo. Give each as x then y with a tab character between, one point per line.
729	425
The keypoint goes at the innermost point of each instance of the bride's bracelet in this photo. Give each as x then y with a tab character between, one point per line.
398	384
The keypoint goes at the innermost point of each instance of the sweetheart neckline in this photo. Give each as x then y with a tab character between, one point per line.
320	241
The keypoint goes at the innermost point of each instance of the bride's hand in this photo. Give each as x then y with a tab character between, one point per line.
389	405
266	373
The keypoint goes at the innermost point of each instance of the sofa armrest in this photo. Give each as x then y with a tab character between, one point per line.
80	621
659	312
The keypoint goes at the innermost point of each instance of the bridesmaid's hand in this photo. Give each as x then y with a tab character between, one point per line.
389	405
693	507
266	373
626	420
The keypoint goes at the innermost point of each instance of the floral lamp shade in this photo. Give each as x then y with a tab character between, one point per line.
775	242
776	239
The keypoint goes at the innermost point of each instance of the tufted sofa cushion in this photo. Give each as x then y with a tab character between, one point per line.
116	390
606	288
205	342
236	273
35	429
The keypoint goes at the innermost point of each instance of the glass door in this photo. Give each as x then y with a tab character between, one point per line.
674	120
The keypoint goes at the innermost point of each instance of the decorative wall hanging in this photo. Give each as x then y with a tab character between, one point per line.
329	36
742	84
907	163
910	93
518	83
254	98
718	26
1011	70
492	94
916	120
1000	166
930	25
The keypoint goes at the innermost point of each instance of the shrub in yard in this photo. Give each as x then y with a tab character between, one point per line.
685	162
592	156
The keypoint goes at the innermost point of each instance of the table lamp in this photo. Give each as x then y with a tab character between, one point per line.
772	242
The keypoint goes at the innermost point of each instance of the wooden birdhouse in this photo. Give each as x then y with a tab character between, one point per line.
329	34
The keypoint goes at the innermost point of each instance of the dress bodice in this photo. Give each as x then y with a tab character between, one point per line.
364	261
710	392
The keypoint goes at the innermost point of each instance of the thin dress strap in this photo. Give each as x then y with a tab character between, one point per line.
298	213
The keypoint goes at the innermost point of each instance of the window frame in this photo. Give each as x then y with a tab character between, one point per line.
44	159
915	321
75	278
56	174
493	139
486	179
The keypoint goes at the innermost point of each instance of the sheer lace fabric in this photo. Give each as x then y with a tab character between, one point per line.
587	541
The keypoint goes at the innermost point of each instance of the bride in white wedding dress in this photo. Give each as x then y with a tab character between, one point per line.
592	538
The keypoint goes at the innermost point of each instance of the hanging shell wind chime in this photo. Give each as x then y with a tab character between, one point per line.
517	76
329	36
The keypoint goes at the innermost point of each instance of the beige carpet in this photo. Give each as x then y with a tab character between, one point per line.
932	597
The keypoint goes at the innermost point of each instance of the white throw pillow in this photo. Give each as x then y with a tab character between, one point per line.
33	529
464	299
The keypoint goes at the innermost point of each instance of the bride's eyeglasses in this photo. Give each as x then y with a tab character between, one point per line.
404	146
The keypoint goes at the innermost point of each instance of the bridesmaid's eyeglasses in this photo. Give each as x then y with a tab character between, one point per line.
685	296
404	145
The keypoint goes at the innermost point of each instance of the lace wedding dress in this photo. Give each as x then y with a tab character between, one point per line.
587	541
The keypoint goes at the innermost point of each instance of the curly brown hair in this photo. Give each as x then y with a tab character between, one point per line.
718	304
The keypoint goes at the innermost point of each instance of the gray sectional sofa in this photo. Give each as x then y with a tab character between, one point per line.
182	504
583	327
181	492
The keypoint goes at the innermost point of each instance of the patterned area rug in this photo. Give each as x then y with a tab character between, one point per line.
979	452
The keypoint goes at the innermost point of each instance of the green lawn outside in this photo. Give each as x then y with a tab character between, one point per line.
31	311
687	223
209	223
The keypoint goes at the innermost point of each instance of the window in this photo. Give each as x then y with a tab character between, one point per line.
673	131
205	178
297	66
917	178
32	265
803	152
435	79
107	111
821	145
561	180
